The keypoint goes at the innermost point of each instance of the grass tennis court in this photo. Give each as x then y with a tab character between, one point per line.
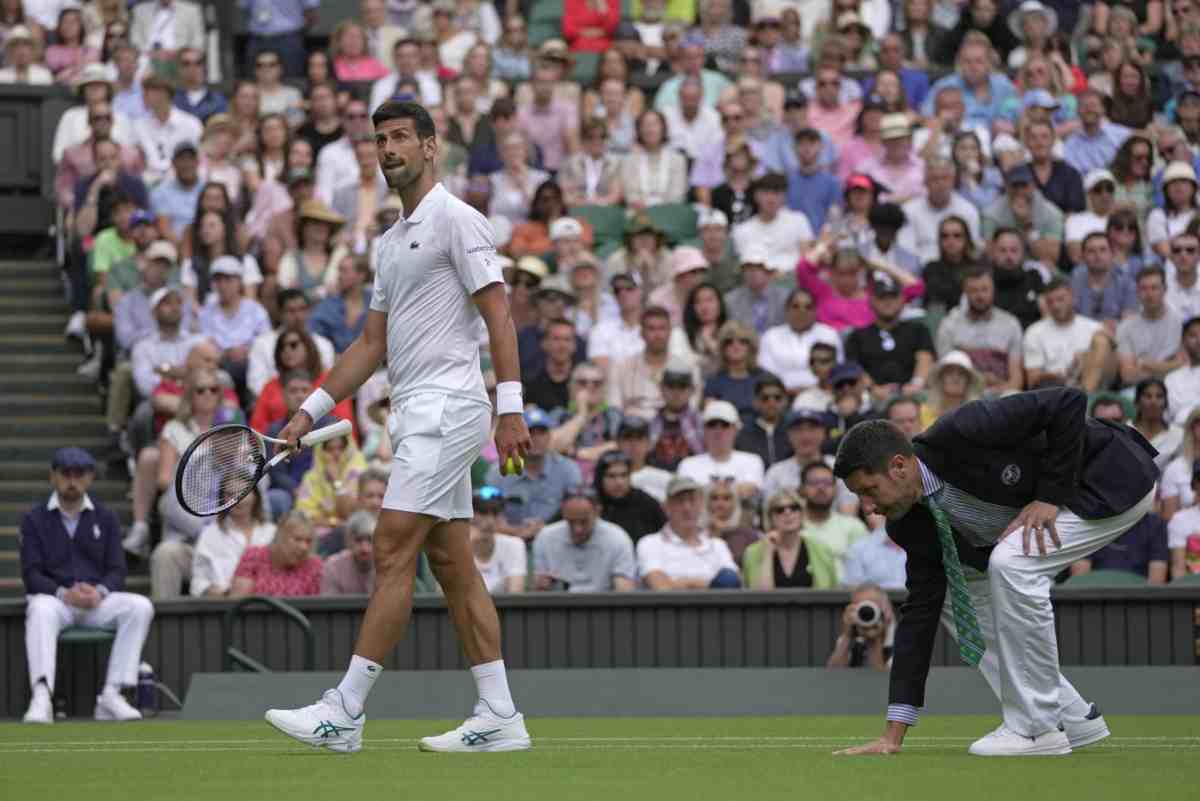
623	759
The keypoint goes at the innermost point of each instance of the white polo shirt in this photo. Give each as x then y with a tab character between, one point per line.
508	561
666	552
430	264
741	466
784	238
158	140
1050	346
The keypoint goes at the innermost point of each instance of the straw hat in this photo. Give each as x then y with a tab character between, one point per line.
314	209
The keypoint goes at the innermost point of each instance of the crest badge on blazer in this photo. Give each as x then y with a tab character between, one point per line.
1010	475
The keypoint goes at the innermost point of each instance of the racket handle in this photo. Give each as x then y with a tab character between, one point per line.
341	428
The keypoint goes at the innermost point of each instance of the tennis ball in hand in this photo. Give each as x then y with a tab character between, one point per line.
513	465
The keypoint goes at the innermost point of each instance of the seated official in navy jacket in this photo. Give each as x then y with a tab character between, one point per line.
74	570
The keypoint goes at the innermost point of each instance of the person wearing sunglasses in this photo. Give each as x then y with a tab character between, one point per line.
588	427
720	458
785	558
763	432
1183	288
1101	188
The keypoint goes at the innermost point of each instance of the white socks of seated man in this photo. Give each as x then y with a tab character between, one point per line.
491	680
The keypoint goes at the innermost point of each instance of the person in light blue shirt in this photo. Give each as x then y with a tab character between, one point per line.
533	498
279	25
1095	145
692	63
875	559
176	196
986	94
778	153
328	318
811	189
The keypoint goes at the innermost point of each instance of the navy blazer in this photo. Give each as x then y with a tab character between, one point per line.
1011	451
51	558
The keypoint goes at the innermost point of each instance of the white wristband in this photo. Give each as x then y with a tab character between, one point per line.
508	398
318	404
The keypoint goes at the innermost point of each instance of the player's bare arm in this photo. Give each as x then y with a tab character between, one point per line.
512	436
349	371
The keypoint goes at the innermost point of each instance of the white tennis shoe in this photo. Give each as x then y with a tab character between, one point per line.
482	732
1006	742
1086	730
41	709
325	724
111	705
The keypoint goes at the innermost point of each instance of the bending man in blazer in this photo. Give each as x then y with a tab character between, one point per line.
990	503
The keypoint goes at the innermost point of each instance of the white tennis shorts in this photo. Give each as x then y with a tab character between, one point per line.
435	440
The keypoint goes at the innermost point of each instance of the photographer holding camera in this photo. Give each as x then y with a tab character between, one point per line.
867	625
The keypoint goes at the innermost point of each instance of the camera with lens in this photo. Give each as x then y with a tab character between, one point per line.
867	613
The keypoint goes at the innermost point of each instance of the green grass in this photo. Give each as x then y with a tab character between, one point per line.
692	759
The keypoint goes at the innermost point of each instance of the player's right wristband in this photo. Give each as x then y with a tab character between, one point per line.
318	404
508	398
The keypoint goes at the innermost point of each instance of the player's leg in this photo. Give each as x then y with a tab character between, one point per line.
131	615
495	724
45	617
1027	646
336	721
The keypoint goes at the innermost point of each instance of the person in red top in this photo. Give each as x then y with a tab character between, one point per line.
294	349
589	25
286	567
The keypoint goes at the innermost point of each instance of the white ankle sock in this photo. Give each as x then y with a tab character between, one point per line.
357	683
492	682
111	690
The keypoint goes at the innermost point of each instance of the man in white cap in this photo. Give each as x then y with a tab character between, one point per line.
231	319
684	555
717	248
166	349
20	59
898	167
688	269
759	302
566	237
1101	189
720	461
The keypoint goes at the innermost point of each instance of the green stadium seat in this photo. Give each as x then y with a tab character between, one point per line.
677	220
1107	578
608	225
1191	579
586	67
85	635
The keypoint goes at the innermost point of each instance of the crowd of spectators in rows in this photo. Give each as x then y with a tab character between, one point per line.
826	212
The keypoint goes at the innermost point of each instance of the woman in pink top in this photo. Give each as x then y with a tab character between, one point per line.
351	61
866	144
286	567
842	302
68	55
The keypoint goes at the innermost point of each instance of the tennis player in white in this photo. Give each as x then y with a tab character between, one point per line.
437	275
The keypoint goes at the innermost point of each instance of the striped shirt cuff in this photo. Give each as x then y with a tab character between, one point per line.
902	713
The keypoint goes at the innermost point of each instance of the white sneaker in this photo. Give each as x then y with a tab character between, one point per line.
137	541
325	724
1006	742
113	706
76	325
1086	730
482	732
41	709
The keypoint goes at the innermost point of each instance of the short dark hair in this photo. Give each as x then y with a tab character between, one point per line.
286	296
405	110
869	446
1057	282
767	379
1005	231
1146	272
977	271
1102	234
900	400
558	321
811	466
823	346
655	311
294	374
503	107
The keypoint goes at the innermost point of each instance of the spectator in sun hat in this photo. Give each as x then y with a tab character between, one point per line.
21	64
524	276
897	165
688	269
644	254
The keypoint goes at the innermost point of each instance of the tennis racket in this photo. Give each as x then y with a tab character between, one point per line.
226	462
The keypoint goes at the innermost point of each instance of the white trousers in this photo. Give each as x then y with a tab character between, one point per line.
128	613
1013	606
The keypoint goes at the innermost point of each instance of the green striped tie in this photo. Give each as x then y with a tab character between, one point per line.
970	638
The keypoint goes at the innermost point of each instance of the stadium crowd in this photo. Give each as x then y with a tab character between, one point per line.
730	231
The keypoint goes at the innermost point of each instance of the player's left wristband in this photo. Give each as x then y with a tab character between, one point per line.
508	398
318	404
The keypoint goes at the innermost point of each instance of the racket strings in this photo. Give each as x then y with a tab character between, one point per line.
221	470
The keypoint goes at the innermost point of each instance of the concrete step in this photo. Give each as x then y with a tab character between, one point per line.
17	304
53	342
57	428
45	287
31	405
61	383
10	564
8	537
47	321
60	362
27	269
107	491
40	449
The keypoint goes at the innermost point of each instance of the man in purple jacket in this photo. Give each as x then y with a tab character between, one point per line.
74	569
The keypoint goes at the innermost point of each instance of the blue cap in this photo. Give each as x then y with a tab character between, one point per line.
807	414
536	418
72	459
141	217
1020	174
846	371
489	494
1039	98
